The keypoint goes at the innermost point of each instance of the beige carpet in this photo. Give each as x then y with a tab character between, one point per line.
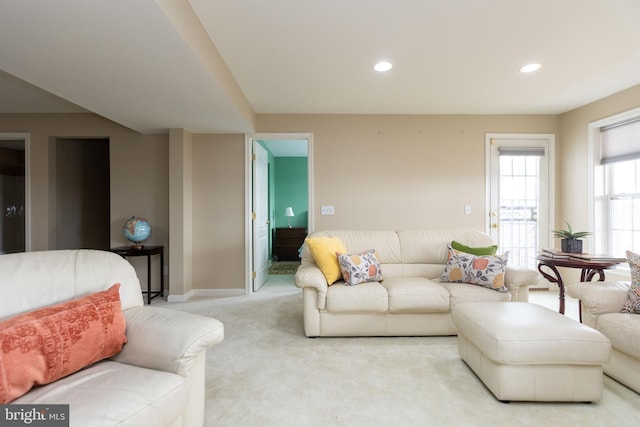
267	373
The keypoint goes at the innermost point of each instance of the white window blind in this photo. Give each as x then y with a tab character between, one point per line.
524	151
620	141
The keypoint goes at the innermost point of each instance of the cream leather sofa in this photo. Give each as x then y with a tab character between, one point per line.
158	377
601	303
410	300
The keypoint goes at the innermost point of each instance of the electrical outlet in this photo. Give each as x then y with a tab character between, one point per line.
326	210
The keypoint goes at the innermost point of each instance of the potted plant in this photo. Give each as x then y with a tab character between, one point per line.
570	240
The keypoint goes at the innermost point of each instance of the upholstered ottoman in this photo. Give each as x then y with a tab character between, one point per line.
526	352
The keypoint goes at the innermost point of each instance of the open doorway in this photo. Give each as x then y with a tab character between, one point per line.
14	188
82	193
279	200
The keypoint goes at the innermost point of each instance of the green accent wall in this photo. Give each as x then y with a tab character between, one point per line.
291	189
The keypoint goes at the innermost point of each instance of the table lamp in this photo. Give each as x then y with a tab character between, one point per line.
288	212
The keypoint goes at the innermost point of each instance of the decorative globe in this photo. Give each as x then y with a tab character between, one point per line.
136	230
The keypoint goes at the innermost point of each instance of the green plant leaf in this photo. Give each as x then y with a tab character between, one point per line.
569	233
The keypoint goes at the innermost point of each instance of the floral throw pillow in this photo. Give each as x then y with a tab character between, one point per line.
632	305
359	268
487	271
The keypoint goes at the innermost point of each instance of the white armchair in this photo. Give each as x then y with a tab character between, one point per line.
601	303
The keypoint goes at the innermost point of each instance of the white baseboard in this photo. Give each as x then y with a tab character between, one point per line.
180	298
213	293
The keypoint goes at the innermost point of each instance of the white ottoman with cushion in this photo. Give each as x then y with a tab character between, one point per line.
526	352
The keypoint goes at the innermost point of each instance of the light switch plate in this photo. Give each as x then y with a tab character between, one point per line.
326	210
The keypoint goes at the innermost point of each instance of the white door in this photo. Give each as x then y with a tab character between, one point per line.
260	216
520	195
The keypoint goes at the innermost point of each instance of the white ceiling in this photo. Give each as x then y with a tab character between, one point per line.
208	65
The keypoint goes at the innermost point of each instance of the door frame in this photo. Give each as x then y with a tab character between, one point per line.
248	181
551	194
26	137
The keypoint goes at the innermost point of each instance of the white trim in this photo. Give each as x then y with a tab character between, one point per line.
248	185
26	137
180	298
593	155
210	293
248	229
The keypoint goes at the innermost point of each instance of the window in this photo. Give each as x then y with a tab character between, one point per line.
618	179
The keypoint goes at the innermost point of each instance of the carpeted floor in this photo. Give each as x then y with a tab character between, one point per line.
267	373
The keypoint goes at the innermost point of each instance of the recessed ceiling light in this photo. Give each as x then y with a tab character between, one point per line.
530	67
383	66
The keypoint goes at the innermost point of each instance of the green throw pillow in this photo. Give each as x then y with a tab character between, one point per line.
489	250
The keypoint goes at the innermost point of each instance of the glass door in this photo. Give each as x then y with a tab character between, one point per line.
519	194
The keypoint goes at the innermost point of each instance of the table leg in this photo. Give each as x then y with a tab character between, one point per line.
148	279
161	272
557	279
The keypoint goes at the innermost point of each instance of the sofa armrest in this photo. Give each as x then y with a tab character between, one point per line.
598	298
167	340
310	276
518	280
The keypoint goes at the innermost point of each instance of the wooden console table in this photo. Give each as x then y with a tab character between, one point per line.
589	270
148	251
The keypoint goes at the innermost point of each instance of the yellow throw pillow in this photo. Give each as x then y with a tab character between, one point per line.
323	250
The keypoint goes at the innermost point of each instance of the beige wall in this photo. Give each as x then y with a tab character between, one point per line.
402	172
572	203
218	212
180	213
380	172
573	197
139	173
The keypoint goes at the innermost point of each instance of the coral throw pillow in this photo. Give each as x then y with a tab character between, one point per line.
487	271
323	250
359	268
632	304
47	344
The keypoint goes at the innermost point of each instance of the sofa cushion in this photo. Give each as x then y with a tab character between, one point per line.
108	393
385	243
416	295
57	276
487	271
623	330
632	305
430	246
323	250
44	345
359	268
367	297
